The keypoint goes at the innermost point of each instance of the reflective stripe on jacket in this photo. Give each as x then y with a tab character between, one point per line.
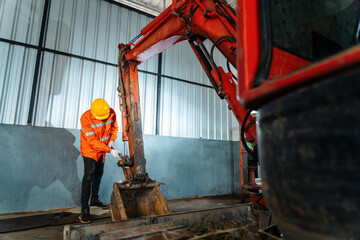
96	134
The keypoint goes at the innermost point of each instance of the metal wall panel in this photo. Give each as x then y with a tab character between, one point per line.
92	28
21	20
148	91
68	86
16	74
193	111
160	5
180	61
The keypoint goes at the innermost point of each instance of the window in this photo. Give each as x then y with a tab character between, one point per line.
314	29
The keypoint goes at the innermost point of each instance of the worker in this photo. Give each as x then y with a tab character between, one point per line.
98	133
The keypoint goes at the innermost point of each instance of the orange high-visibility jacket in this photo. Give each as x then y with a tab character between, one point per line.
96	134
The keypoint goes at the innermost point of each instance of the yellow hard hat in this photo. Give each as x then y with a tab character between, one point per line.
100	109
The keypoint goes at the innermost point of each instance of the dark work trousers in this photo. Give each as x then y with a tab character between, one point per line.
93	172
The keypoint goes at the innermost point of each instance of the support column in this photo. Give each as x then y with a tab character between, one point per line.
158	95
38	58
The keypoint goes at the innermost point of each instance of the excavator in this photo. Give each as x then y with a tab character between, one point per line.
194	21
297	64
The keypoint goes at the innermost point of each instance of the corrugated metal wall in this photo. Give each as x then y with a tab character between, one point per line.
67	84
191	110
92	28
195	111
16	75
19	21
160	5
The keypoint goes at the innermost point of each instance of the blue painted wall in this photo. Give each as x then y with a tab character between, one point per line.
41	168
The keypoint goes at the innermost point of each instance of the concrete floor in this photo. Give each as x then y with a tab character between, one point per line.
175	205
189	204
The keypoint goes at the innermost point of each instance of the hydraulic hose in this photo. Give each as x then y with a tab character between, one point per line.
221	93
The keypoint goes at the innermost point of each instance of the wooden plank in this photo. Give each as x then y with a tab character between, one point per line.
43	220
36	221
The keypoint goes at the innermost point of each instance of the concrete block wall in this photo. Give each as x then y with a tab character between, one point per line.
41	168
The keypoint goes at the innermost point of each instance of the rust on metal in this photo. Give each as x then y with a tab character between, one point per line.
136	199
138	195
136	146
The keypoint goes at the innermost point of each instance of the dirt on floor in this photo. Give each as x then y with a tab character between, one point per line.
231	230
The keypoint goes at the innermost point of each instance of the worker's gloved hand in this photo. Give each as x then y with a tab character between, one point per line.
111	144
115	153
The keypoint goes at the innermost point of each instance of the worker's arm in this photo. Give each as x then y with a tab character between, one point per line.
91	138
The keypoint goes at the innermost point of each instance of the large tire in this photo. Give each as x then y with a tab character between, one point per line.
310	156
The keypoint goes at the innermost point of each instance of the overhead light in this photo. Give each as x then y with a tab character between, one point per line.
141	7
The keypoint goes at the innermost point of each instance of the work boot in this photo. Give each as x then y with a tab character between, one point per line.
85	216
97	203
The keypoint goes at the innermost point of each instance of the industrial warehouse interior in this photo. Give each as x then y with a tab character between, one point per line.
179	119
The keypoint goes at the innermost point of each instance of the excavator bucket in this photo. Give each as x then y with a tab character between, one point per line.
132	200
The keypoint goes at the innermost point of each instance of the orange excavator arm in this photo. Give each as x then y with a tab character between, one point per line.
194	21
